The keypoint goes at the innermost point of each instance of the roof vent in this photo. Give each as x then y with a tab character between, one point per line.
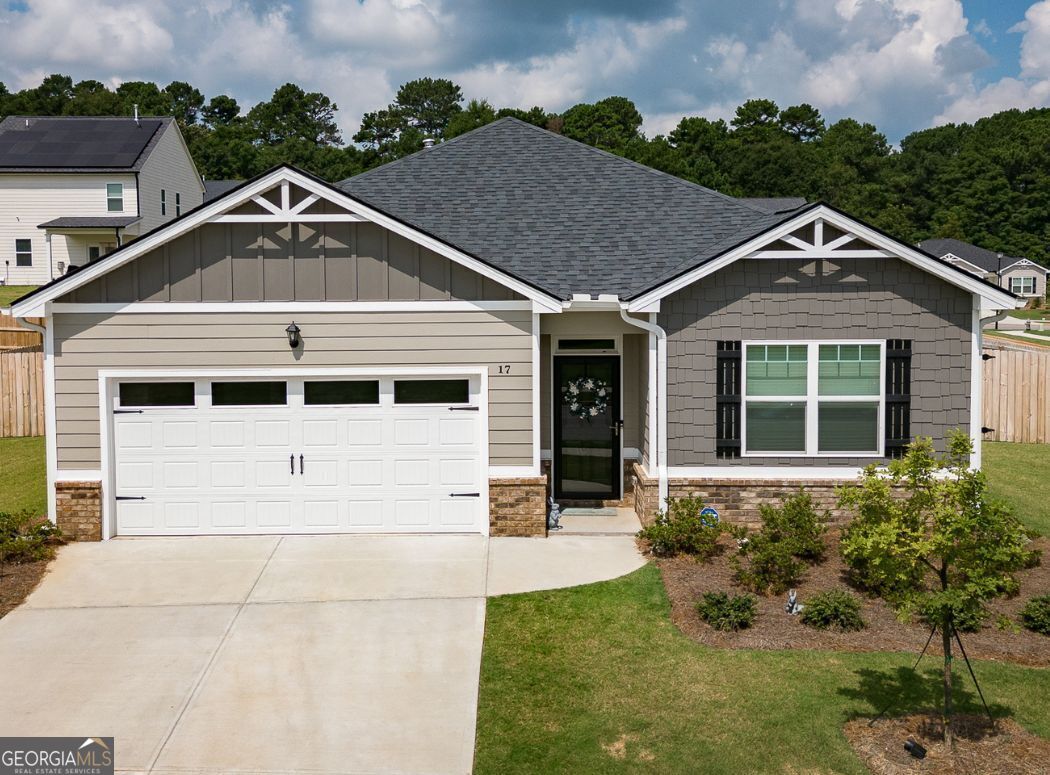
428	142
136	107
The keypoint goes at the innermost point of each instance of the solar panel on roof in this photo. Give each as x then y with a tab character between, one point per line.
56	142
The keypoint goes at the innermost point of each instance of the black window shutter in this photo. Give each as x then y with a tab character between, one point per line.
728	369
898	396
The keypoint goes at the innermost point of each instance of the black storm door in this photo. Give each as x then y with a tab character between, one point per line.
587	427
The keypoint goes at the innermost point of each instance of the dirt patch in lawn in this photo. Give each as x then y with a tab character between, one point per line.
687	580
17	581
1009	749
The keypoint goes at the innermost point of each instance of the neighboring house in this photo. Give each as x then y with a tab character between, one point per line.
428	346
73	189
1018	275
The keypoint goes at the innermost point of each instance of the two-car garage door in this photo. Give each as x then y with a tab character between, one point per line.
339	455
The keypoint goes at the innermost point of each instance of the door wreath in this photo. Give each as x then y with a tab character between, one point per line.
587	397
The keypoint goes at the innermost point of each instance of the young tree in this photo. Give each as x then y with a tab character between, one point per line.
926	538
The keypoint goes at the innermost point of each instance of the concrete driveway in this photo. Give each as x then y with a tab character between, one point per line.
275	654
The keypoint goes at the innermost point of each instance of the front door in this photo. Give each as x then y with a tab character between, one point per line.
587	427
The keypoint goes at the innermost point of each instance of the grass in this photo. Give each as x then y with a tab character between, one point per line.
8	293
23	475
597	679
1023	339
1031	314
1018	474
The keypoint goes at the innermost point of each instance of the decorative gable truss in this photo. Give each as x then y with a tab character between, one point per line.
283	196
819	239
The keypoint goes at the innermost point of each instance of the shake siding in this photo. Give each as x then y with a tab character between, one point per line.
29	199
170	167
85	343
844	299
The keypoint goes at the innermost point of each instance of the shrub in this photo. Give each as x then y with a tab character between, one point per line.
726	612
27	537
1036	614
834	609
680	530
791	536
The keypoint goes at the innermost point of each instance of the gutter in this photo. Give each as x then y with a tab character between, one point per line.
661	401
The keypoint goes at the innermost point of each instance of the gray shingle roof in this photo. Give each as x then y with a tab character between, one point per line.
776	204
77	143
557	214
987	260
90	222
213	189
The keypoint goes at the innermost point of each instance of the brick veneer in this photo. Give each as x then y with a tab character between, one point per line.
737	500
518	507
78	507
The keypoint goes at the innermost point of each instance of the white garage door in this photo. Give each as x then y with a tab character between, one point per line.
213	456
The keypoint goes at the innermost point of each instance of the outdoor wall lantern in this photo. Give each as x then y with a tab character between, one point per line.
294	339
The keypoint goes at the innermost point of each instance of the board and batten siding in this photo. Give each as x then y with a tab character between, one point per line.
88	342
291	262
878	298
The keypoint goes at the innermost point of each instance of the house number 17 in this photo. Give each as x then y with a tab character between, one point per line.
504	368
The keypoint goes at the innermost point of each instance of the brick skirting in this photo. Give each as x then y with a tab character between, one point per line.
737	500
518	507
78	507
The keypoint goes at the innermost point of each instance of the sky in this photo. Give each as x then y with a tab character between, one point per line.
900	64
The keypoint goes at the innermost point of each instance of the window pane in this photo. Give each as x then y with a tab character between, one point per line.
23	252
848	427
586	344
849	370
114	197
249	393
776	426
356	392
432	391
156	394
776	370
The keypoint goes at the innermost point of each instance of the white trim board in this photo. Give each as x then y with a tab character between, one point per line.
997	297
166	307
281	176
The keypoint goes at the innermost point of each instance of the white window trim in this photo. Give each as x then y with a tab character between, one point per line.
1021	282
617	349
812	399
111	198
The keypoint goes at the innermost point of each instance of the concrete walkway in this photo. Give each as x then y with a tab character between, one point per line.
269	654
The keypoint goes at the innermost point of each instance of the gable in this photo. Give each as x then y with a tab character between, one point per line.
254	261
285	236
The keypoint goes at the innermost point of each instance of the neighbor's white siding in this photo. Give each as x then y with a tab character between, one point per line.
28	199
168	167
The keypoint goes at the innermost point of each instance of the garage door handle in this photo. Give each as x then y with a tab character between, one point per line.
464	408
291	462
130	498
464	495
300	464
127	411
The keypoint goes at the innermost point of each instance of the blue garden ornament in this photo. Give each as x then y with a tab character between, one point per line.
708	517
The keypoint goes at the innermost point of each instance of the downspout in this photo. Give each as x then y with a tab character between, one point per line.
661	399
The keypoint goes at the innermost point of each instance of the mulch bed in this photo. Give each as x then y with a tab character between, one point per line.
1009	749
17	581
686	580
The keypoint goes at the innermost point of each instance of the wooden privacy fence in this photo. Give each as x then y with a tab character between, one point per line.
1017	394
22	392
13	335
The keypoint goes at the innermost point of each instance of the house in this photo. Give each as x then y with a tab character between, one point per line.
436	344
75	188
1019	275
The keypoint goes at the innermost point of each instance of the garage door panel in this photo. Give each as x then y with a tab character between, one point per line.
289	469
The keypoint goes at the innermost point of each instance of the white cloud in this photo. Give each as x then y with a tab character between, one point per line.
1030	90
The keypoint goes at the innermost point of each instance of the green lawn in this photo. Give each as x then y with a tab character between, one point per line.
1030	314
9	293
569	677
1018	473
989	334
23	474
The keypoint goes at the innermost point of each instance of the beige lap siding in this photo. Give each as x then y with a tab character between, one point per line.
86	343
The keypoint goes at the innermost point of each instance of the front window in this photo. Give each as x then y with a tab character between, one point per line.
1022	286
23	252
178	204
115	197
813	399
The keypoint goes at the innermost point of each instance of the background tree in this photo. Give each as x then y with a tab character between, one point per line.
611	124
292	114
943	549
429	104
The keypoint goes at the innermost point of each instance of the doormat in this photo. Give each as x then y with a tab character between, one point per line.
576	512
